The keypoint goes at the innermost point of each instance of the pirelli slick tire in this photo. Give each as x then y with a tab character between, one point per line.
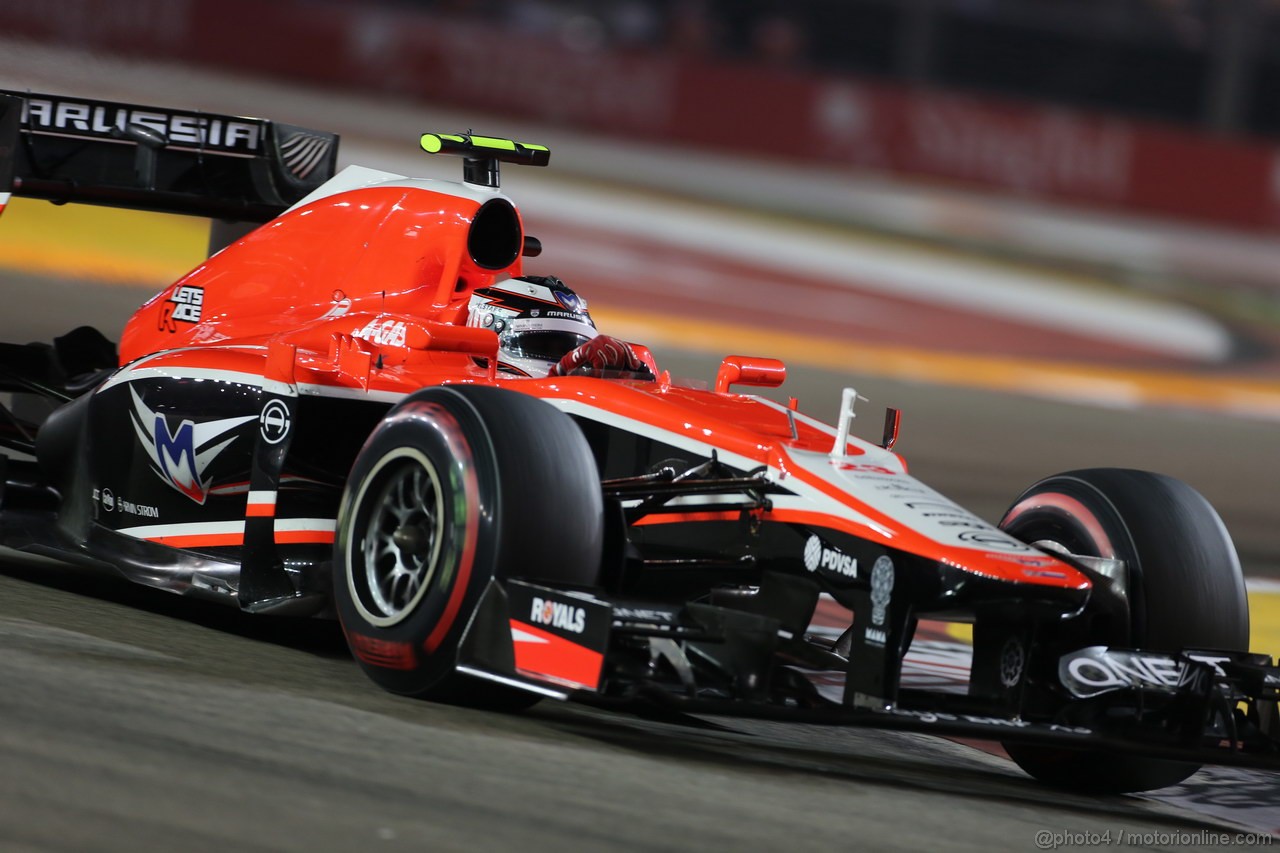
1185	590
456	486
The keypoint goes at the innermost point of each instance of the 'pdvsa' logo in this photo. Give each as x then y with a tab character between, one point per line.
819	556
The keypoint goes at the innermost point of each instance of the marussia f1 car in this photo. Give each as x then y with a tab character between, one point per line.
305	424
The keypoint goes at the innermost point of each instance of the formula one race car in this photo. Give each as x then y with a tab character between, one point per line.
306	424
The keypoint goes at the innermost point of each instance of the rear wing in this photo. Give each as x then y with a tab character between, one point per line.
68	149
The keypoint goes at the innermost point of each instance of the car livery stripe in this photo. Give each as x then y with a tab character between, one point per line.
193	363
821	501
547	657
260	503
730	515
304	537
224	533
181	370
808	518
4	199
836	498
968	559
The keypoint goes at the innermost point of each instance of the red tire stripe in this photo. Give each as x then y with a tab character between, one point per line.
461	451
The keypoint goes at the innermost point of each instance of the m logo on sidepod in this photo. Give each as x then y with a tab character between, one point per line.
181	457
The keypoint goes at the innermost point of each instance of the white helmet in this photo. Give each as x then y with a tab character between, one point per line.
538	320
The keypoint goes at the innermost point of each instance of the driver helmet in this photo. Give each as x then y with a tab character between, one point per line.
538	320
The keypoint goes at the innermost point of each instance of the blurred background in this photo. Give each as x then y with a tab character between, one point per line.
1026	127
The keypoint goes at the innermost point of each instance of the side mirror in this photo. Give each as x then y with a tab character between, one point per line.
750	370
892	423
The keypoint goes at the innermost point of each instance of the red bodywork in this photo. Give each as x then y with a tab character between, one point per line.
365	290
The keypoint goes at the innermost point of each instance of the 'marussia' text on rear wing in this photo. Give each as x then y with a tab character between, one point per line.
69	149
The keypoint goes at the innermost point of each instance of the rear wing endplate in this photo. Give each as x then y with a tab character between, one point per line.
68	149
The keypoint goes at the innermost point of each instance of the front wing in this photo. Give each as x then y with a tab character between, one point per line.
1200	706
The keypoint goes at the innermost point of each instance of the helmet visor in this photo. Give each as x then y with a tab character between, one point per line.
544	339
547	346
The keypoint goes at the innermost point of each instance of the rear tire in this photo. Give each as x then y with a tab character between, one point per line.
1186	590
458	485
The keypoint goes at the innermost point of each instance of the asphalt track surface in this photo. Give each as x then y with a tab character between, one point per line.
136	720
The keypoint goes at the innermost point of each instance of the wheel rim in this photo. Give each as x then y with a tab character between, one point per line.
399	526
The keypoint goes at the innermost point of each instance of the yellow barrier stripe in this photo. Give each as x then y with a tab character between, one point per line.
101	267
1264	623
125	247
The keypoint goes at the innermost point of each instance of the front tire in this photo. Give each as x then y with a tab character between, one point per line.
457	486
1185	590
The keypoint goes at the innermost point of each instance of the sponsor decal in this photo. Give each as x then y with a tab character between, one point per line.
928	511
184	306
643	614
339	309
863	468
882	573
108	500
1013	661
274	421
142	510
820	556
560	637
92	119
881	588
536	312
1211	660
388	333
566	617
571	301
1096	670
180	457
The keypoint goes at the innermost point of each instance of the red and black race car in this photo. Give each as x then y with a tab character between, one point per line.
314	422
